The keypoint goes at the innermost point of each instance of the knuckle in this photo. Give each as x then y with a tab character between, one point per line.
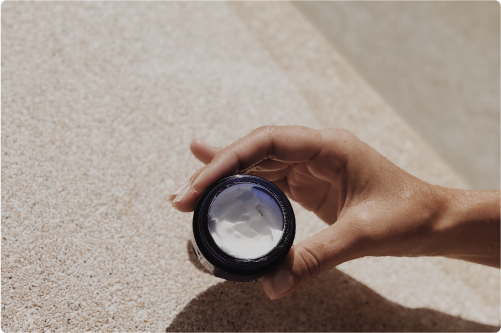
342	143
267	129
310	261
341	134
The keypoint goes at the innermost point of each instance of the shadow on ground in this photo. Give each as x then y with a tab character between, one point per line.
332	302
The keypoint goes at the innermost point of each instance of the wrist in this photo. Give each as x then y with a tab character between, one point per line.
468	228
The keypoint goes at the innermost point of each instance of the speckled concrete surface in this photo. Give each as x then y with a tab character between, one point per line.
99	104
436	63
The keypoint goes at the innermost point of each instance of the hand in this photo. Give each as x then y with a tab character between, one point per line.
373	207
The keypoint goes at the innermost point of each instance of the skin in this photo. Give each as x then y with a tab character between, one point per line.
372	207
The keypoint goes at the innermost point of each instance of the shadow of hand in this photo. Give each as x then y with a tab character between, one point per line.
332	302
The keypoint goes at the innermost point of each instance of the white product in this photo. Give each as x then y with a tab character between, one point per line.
245	221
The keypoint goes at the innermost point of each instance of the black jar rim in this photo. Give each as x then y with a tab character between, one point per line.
222	260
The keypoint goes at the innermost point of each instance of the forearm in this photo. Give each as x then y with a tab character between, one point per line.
469	229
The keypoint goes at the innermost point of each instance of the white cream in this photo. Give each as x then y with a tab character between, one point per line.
245	221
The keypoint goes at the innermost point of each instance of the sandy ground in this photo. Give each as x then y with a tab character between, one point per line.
99	104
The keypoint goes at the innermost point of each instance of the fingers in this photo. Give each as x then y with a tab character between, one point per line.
268	165
269	148
203	151
283	185
290	144
311	257
186	201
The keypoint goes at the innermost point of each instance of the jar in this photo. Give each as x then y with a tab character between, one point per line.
243	227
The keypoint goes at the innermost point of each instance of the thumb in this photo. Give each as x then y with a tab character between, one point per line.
311	257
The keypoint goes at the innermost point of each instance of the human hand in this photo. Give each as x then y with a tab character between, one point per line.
373	208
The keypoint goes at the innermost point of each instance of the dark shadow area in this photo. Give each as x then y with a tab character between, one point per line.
332	302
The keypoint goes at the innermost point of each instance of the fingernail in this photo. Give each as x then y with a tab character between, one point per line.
278	284
178	195
196	174
194	181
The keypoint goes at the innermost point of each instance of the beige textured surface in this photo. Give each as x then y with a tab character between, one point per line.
99	104
436	63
